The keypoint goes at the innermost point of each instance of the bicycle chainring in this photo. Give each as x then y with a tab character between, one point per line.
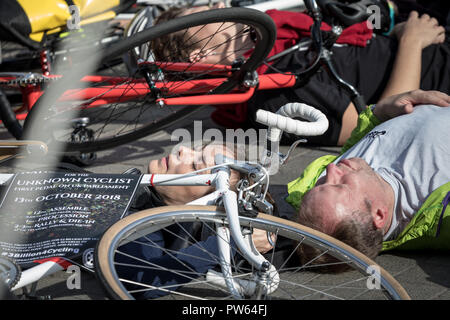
10	272
26	78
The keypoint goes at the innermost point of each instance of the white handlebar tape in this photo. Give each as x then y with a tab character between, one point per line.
316	125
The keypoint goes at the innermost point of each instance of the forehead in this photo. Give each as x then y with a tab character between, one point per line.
332	201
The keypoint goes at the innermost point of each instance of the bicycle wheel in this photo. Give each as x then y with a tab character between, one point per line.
134	115
180	274
8	116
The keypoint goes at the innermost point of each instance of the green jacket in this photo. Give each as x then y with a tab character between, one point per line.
421	232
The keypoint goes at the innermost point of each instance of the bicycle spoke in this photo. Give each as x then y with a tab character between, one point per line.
162	289
122	111
291	281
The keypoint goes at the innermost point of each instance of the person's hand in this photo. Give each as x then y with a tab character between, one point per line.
260	241
422	31
404	103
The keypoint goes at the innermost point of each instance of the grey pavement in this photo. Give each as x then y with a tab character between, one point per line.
424	275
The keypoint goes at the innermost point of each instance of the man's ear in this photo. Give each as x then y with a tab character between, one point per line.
380	217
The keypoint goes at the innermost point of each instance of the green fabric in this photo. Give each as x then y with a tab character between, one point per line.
298	187
420	233
366	122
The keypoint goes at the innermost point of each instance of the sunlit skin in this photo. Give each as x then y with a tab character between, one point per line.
352	184
187	160
347	187
227	44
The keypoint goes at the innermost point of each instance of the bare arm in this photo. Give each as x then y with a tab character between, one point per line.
413	36
404	103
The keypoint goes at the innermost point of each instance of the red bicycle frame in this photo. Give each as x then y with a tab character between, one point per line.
101	90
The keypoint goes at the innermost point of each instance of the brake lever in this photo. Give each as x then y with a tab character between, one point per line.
285	158
273	160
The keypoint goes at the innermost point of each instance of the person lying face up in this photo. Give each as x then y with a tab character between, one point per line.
182	252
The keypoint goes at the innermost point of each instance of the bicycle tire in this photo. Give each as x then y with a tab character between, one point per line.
109	248
8	117
265	33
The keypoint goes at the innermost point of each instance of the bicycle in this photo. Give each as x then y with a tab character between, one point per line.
26	67
236	270
28	61
255	276
121	108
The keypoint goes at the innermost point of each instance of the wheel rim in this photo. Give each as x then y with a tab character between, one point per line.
296	282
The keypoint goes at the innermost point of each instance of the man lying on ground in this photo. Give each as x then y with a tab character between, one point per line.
391	185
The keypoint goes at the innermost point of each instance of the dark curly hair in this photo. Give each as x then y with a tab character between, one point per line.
172	47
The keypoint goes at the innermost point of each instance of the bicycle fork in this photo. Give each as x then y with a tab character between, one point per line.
266	279
262	283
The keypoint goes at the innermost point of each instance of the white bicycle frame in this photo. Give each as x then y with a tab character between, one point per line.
221	181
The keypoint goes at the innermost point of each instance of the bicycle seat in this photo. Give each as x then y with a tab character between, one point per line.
350	13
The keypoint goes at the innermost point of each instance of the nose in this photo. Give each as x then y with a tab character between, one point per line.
334	174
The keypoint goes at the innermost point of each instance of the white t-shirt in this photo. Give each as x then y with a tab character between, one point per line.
412	154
